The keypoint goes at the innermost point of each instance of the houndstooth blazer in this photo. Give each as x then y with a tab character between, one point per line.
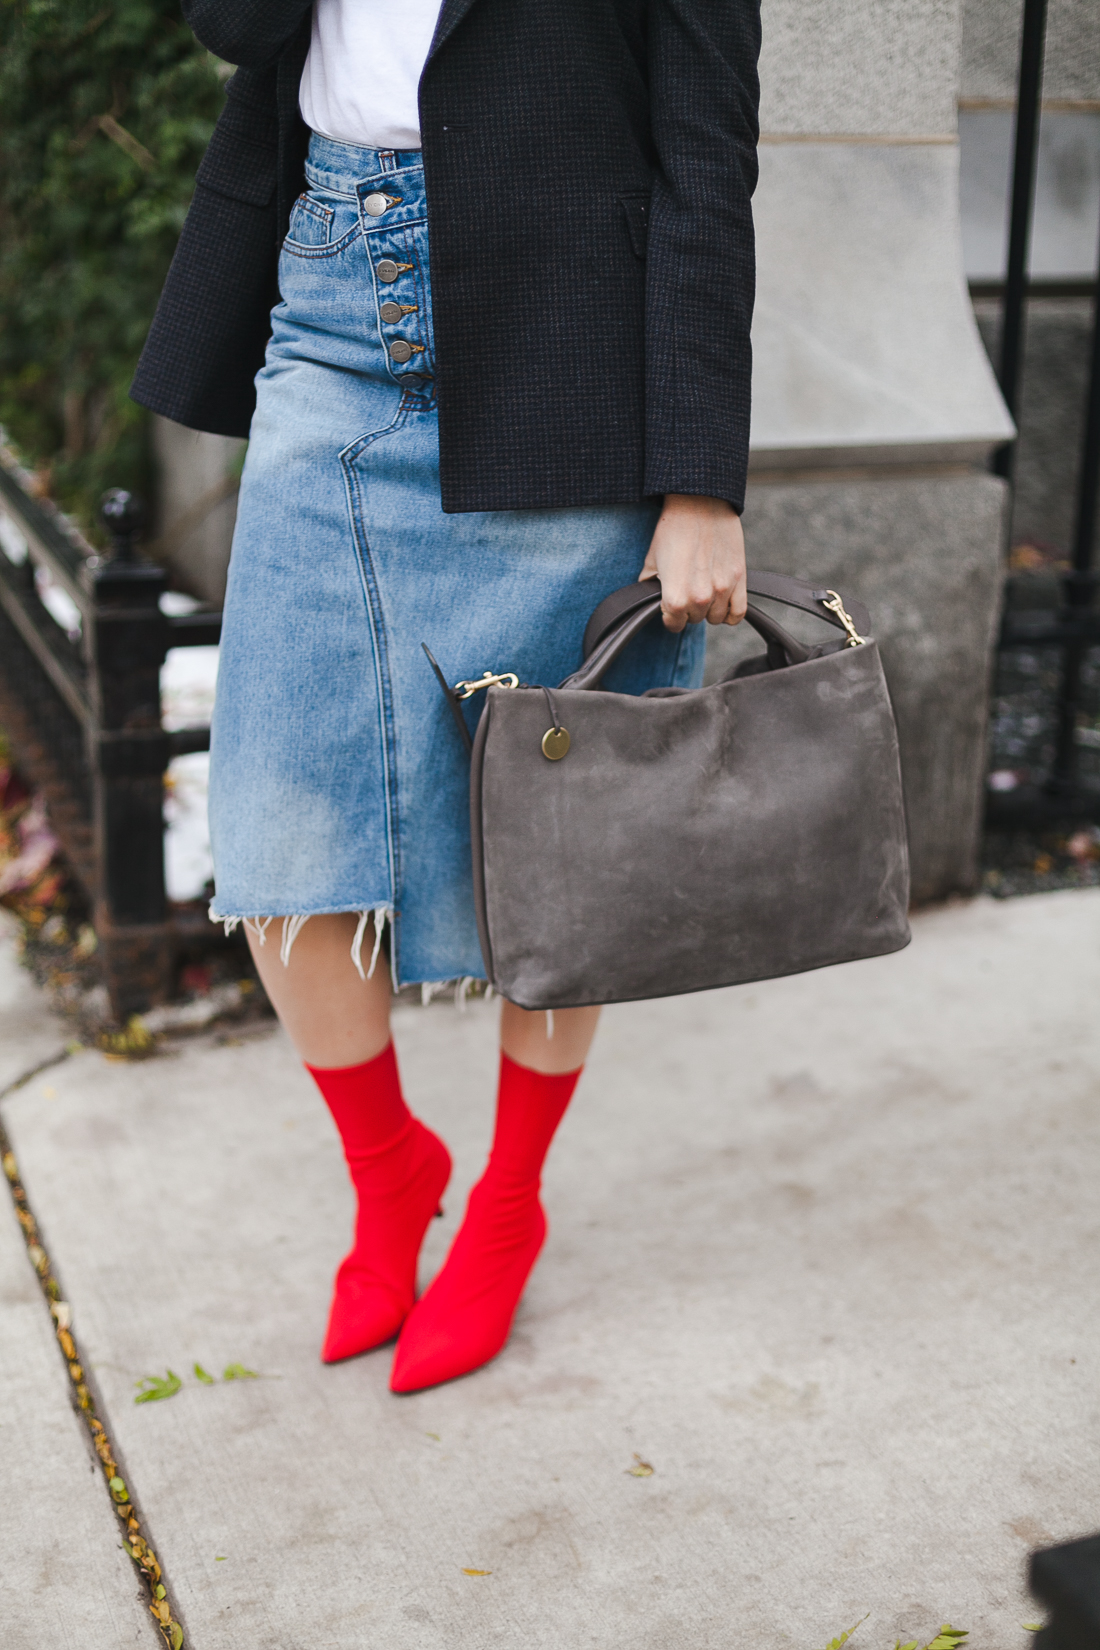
589	167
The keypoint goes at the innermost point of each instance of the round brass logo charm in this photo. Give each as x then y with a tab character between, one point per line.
555	744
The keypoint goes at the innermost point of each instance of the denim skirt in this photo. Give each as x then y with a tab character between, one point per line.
338	779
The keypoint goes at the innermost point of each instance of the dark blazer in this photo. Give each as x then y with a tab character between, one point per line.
588	166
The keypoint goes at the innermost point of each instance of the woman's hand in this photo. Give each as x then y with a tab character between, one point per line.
698	553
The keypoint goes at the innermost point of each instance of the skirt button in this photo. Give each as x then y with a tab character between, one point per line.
375	205
391	312
400	351
387	270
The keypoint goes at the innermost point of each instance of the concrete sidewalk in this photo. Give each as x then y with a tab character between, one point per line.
63	1577
823	1253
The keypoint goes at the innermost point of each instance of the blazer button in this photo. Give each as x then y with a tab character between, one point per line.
387	270
391	312
375	205
400	351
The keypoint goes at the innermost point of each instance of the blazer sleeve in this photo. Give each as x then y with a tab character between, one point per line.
701	263
250	33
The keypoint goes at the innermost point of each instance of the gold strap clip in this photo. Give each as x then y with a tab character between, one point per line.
835	605
466	690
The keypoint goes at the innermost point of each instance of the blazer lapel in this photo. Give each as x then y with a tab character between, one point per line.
450	16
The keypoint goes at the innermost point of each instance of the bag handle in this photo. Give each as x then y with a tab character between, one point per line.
620	616
782	648
777	587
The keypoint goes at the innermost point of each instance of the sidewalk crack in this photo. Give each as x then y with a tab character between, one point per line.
122	1498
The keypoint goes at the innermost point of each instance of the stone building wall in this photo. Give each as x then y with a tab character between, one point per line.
990	50
875	409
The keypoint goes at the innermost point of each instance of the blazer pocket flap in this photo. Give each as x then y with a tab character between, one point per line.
636	211
239	168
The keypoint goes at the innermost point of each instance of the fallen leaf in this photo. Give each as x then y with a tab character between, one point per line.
1032	1626
948	1638
68	1345
152	1387
835	1644
237	1372
477	1572
220	1558
134	1042
434	1435
160	1590
201	1375
63	1312
117	1487
176	1635
642	1469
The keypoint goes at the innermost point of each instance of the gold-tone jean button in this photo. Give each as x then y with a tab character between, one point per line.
375	205
388	271
400	351
391	312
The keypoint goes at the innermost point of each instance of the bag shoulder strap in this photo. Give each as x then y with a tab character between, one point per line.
777	587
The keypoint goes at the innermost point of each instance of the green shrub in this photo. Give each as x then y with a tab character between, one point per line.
105	111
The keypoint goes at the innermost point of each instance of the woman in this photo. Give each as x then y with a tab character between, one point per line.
509	249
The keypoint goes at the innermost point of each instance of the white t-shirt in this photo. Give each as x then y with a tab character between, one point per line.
361	76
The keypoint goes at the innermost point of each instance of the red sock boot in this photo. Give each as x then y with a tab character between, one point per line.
463	1319
399	1170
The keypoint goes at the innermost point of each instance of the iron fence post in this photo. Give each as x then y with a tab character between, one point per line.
1026	148
126	645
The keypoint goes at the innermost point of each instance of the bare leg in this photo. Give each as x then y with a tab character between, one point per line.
524	1037
332	1017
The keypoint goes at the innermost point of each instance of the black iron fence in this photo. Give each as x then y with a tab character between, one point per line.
1058	639
81	708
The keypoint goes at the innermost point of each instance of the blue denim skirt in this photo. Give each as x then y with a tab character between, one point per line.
338	779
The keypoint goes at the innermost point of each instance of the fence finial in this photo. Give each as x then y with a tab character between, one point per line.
124	516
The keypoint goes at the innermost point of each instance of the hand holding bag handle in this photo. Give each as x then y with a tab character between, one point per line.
778	587
620	616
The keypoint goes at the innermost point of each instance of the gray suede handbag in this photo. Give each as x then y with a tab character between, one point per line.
640	846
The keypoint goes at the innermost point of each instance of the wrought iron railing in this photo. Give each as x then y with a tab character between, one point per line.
1071	628
81	707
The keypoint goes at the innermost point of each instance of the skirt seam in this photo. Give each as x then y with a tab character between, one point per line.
376	619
